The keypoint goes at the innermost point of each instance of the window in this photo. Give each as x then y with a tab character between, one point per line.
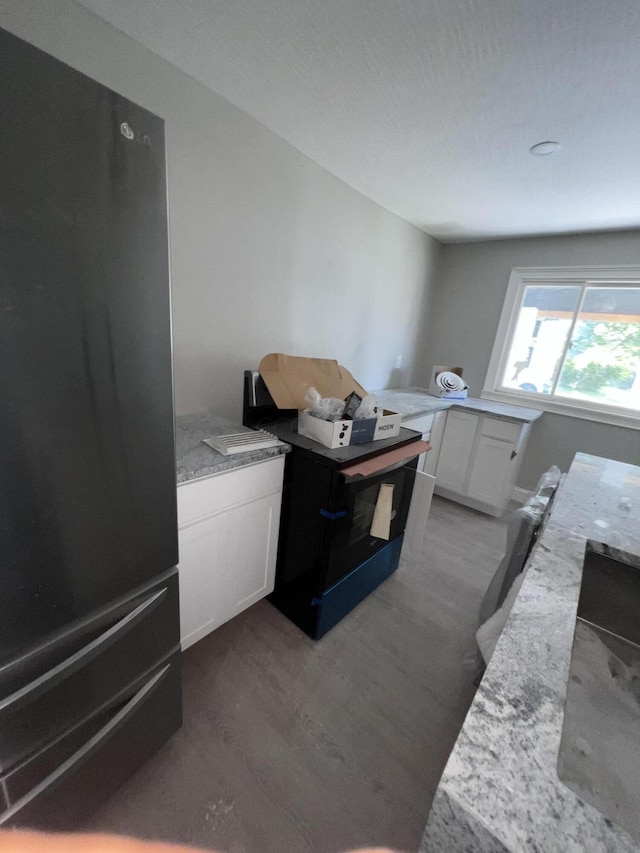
569	342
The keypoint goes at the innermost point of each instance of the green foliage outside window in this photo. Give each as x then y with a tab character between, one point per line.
613	351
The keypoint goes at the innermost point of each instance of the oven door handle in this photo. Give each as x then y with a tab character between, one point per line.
360	471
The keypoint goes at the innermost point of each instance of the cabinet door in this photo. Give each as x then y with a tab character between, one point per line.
253	541
455	450
490	471
203	577
435	439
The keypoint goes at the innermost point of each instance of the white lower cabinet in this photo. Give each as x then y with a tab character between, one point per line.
202	574
489	472
455	450
253	555
478	459
228	538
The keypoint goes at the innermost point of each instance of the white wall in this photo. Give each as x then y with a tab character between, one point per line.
268	251
466	306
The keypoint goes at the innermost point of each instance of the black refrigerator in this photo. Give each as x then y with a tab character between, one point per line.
89	620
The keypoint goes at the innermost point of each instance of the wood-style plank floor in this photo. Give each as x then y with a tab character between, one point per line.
295	745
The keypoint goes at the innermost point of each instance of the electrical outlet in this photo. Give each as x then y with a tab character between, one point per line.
398	362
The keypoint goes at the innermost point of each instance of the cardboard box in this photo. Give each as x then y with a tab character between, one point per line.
336	434
288	379
386	425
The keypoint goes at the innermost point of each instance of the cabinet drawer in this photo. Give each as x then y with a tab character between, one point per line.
103	752
200	498
45	707
503	430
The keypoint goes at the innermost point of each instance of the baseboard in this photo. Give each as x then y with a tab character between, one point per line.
520	495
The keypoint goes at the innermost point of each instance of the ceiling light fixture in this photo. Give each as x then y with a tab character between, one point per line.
542	149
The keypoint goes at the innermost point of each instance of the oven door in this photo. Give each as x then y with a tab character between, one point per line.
347	539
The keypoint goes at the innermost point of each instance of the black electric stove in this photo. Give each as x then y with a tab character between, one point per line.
328	560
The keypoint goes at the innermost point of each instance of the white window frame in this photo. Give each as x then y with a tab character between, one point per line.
520	277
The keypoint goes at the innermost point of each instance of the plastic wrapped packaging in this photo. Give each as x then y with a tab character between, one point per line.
524	525
333	409
368	408
548	483
325	408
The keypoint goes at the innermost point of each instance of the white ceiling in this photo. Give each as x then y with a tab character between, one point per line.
429	107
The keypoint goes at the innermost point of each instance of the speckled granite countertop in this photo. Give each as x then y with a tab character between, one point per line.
414	402
195	459
500	790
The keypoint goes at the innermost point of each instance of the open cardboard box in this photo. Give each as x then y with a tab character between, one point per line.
288	379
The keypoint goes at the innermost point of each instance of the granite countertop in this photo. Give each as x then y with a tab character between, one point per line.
500	790
414	402
195	459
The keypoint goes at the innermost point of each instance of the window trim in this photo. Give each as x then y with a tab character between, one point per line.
521	277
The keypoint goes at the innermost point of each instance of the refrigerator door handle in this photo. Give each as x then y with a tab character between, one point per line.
82	657
86	750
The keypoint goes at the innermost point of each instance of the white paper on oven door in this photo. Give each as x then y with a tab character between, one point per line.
383	513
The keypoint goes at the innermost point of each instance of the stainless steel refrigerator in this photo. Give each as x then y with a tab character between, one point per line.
89	624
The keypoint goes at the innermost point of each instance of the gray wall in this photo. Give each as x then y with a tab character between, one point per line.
466	307
269	252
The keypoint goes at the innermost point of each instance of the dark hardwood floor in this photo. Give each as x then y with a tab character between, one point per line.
295	745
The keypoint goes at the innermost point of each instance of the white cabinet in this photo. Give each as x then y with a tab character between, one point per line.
489	470
203	577
228	537
252	537
479	458
455	450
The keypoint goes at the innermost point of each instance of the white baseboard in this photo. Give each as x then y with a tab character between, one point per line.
520	495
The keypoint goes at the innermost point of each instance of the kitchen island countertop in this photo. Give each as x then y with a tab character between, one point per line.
195	459
500	789
415	402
